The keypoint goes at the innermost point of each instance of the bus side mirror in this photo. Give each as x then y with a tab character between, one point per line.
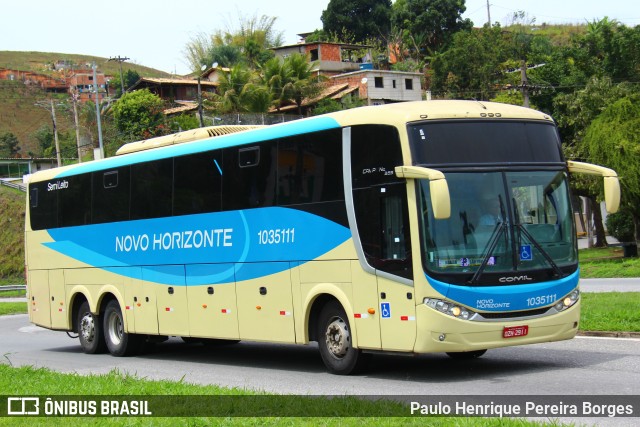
440	199
611	183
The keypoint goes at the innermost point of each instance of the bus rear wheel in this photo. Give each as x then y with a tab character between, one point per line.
335	342
90	330
119	342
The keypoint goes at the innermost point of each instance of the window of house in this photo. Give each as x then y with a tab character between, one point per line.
379	82
408	84
314	54
394	83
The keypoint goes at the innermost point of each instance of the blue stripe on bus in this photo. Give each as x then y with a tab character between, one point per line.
507	297
215	247
236	139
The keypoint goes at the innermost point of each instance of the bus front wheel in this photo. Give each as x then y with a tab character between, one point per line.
335	342
119	342
90	330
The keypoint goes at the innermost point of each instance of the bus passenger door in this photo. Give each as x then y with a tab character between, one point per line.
383	225
212	307
265	302
171	302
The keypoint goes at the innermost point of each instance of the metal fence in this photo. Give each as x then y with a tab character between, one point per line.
13	184
12	288
249	119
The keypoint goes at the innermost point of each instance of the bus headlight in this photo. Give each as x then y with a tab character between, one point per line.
568	300
449	308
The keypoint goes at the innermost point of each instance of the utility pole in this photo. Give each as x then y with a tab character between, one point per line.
55	133
488	14
120	60
95	88
524	83
74	98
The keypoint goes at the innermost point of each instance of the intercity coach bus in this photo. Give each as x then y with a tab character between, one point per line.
361	230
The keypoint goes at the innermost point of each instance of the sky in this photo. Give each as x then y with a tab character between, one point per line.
154	33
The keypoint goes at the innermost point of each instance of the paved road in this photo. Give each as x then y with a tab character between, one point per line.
582	366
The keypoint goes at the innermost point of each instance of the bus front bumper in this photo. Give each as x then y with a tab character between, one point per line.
443	333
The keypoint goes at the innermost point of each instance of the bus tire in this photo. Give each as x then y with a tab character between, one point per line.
335	342
466	355
119	342
90	330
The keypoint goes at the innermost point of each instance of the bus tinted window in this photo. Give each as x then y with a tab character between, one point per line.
74	201
250	184
152	185
482	142
375	152
111	195
198	183
44	206
310	168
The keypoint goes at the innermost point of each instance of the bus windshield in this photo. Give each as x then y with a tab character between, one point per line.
500	222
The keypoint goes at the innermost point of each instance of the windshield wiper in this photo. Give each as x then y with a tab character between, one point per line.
493	242
522	229
557	272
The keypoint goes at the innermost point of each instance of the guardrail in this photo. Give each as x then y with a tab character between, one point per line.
13	288
13	185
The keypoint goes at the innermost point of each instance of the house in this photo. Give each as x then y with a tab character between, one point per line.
175	89
81	82
330	58
349	70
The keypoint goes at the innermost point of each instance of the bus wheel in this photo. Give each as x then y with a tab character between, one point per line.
90	331
119	342
334	341
466	355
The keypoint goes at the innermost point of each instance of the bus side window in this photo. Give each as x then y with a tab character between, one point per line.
111	198
380	199
249	176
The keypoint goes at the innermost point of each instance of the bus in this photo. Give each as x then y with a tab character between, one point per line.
359	230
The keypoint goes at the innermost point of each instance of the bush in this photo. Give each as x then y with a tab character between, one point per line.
620	225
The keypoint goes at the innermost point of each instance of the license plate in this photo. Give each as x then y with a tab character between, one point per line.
515	331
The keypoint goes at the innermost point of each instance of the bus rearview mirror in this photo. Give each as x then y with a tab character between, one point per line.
611	182
438	187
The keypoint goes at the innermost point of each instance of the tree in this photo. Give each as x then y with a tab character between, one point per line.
301	82
429	25
9	145
471	67
130	77
233	90
612	139
139	114
248	43
361	18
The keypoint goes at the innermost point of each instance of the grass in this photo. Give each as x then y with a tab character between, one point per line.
29	381
12	308
606	263
610	311
12	205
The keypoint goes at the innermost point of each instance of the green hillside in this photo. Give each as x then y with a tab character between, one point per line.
42	63
12	205
19	112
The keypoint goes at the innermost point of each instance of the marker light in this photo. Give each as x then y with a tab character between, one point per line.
448	308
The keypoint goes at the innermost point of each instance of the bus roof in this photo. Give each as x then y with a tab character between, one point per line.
393	114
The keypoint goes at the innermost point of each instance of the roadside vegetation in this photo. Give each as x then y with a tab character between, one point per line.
28	381
12	204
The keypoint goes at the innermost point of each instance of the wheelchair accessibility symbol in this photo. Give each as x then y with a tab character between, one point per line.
385	310
525	253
